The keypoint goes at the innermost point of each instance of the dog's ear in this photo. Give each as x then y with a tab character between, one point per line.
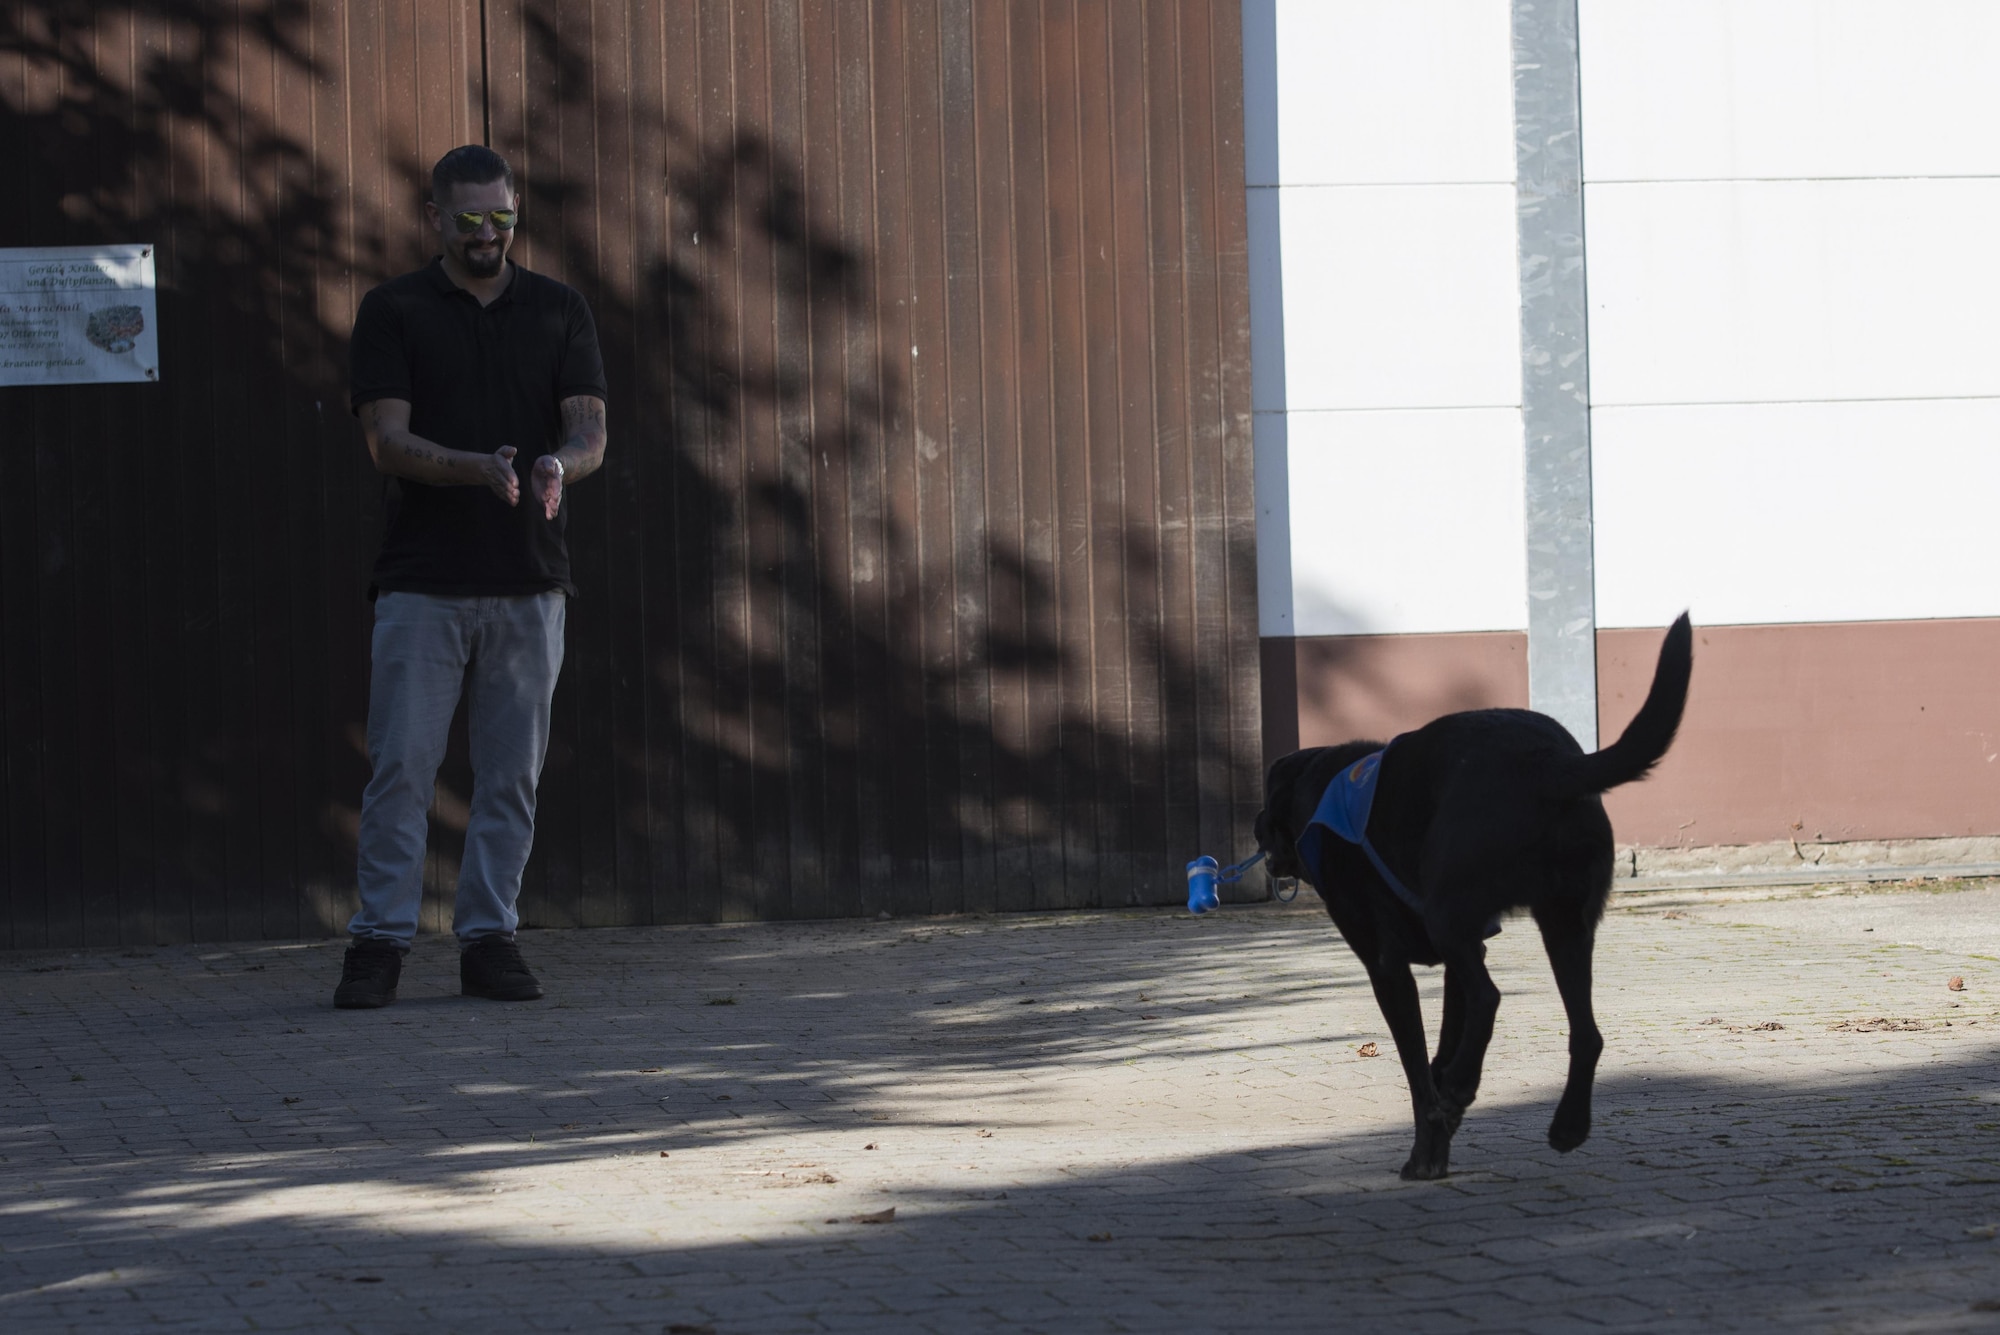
1273	838
1275	842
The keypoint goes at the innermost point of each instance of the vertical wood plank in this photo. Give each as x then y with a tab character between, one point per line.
1207	645
1075	773
942	800
791	216
1006	653
315	414
92	416
761	806
698	48
265	765
137	540
597	241
1232	282
1035	784
552	164
199	797
903	645
859	783
965	356
596	236
25	895
636	221
1111	650
1177	742
826	862
680	619
356	260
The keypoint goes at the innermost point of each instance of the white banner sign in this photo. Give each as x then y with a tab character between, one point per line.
77	315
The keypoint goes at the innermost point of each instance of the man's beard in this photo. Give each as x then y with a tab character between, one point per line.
486	265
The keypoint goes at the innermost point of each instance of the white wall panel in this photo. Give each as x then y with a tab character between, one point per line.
1797	512
1406	522
1399	297
1770	291
1389	91
1705	89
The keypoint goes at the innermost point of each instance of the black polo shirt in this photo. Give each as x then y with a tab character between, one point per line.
476	378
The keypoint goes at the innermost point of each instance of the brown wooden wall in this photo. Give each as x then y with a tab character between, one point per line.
919	577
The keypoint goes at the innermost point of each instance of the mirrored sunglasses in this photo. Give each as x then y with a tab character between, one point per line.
503	220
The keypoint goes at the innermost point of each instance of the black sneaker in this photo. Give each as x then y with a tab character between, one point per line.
368	978
491	967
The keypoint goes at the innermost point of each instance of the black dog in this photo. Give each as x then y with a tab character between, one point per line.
1472	814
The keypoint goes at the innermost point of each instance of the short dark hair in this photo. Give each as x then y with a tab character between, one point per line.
469	164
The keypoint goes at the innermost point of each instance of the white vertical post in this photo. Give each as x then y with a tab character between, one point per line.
1555	366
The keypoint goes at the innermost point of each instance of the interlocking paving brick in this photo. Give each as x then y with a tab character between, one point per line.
1176	1131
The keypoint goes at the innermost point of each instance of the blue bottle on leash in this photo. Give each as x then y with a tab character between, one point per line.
1201	885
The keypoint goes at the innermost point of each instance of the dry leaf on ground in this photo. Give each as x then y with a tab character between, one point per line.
1369	1050
1957	984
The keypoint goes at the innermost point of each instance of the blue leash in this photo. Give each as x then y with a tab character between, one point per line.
1235	873
1229	875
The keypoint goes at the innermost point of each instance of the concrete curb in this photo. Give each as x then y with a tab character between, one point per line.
1807	875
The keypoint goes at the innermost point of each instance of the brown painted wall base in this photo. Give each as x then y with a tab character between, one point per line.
1870	730
1337	688
1862	730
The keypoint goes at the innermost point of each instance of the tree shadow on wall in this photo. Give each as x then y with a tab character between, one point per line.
183	563
811	673
814	671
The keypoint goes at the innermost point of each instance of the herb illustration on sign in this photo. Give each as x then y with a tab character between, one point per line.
115	328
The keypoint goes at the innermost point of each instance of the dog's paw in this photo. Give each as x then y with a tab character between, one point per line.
1568	1131
1430	1156
1420	1169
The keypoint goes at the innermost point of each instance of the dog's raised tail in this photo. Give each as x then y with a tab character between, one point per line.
1651	731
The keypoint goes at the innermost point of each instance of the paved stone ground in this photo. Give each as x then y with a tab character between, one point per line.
1100	1122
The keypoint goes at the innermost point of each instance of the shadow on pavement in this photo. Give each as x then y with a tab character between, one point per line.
196	1136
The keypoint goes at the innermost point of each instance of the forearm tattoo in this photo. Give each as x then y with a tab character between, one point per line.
582	416
583	435
442	465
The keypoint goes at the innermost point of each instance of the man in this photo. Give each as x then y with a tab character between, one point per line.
481	392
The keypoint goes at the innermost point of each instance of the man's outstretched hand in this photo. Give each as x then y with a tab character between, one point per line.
498	475
548	483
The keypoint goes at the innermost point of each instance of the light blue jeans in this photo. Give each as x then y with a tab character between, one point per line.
505	653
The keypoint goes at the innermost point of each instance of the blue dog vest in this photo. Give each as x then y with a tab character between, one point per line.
1343	809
